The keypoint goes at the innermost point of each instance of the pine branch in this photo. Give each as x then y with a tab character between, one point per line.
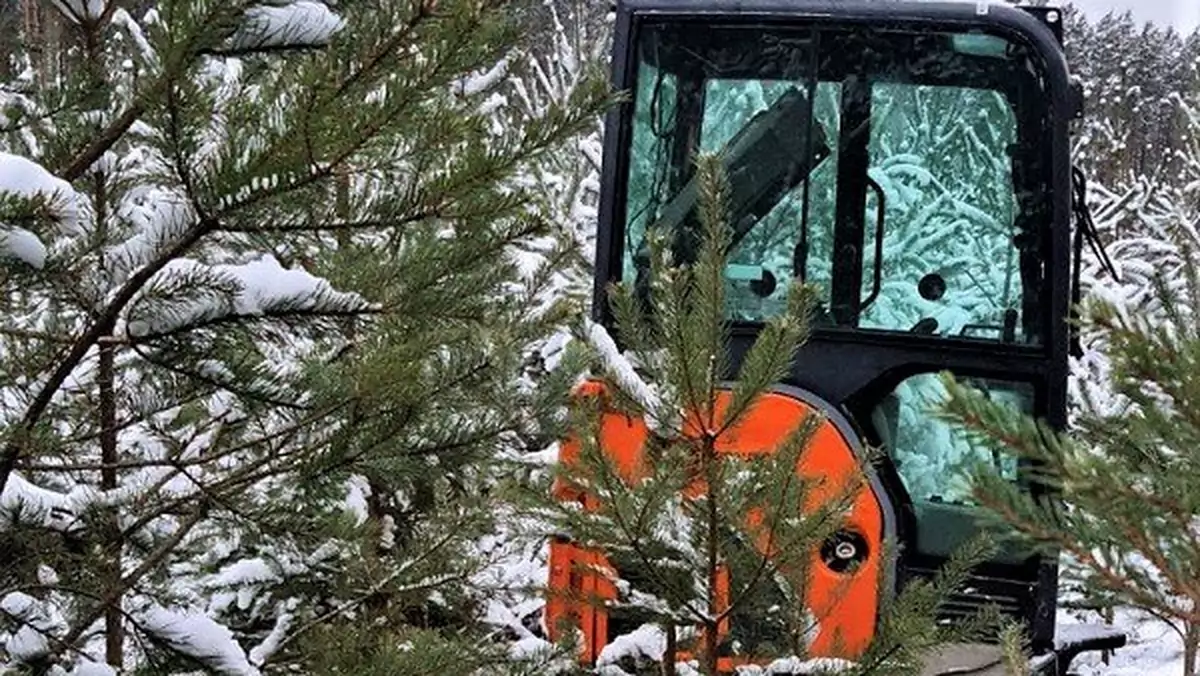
423	10
633	539
103	142
127	582
244	475
1113	577
205	323
768	568
62	644
40	336
100	327
375	589
361	225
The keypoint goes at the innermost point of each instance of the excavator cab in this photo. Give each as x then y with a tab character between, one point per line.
910	159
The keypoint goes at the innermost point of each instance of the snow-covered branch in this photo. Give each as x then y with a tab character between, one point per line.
81	11
25	504
295	24
197	636
257	288
625	374
23	179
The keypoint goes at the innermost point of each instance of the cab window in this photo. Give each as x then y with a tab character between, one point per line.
901	176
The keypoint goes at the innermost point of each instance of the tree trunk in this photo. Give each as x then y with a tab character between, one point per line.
114	628
670	654
10	37
42	33
708	660
1109	617
709	464
1191	643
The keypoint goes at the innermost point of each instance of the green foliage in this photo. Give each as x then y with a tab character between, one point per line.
675	543
1124	501
1015	650
348	648
246	398
907	629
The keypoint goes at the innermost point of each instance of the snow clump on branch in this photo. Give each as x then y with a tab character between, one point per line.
257	288
303	23
23	179
79	11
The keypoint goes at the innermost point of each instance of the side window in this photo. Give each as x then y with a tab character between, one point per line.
941	157
932	457
763	263
653	129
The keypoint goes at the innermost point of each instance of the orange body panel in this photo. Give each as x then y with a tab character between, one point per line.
844	604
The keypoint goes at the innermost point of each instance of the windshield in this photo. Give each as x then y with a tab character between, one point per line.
903	173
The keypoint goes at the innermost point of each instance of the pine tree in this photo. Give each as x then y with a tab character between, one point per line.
1124	509
265	327
697	538
1131	129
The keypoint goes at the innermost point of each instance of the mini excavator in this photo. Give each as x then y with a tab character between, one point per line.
911	159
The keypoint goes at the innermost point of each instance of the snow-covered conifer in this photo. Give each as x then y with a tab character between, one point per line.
267	307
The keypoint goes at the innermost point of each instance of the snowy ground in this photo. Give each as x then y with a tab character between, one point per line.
1153	649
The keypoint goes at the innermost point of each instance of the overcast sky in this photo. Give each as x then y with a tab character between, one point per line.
1183	14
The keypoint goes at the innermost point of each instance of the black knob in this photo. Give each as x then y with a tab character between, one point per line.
926	327
932	286
844	551
765	286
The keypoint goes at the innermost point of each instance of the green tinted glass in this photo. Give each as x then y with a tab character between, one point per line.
940	157
935	460
902	176
932	457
